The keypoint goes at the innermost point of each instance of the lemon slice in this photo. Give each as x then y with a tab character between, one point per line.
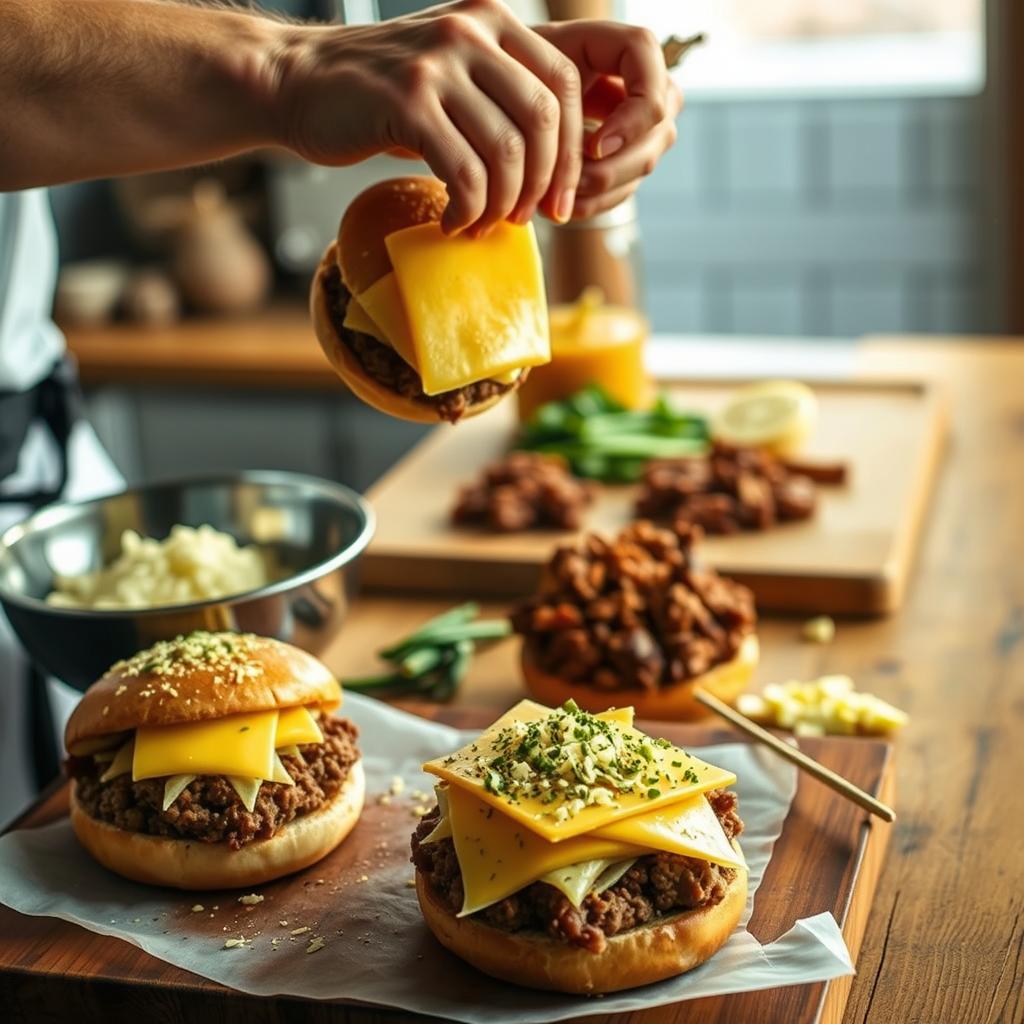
778	415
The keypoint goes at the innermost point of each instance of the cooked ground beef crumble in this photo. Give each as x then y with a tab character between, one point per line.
208	809
659	884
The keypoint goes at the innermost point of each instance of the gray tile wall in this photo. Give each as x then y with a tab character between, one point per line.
825	217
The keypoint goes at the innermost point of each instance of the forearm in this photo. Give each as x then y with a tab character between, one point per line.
90	88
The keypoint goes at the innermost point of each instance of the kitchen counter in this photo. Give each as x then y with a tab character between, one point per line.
945	936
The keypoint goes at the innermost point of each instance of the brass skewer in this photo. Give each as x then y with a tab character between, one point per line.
797	757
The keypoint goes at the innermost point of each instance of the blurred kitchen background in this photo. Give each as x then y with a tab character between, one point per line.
843	167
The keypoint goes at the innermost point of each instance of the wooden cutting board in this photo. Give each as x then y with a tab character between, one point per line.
828	858
853	557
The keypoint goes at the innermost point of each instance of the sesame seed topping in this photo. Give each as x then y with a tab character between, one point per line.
233	656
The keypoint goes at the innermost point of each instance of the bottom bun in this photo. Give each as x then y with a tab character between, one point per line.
351	371
192	864
674	703
640	956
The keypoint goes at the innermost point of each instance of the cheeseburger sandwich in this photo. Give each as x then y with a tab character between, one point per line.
213	761
569	851
422	326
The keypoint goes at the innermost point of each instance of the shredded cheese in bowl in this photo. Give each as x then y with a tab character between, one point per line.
190	565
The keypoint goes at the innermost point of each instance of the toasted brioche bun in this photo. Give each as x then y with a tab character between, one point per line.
652	952
376	213
152	688
191	864
670	703
350	370
362	259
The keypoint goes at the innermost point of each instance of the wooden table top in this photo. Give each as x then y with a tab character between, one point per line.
945	940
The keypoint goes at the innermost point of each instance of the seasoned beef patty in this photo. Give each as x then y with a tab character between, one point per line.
208	809
387	367
658	884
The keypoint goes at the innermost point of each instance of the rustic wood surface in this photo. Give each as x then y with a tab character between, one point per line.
845	847
945	939
853	556
945	936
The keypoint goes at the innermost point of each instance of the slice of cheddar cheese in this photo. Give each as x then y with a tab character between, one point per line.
296	726
475	307
497	856
357	319
679	776
383	305
237	745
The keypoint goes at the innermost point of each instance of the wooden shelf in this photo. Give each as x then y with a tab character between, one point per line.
274	348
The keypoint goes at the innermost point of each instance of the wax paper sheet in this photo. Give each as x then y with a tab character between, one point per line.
350	928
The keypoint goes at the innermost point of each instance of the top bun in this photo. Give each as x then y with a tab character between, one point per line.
195	678
374	214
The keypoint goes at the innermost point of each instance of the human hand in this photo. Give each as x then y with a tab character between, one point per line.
493	108
628	90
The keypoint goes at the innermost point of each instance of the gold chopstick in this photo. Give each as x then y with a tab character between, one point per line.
842	786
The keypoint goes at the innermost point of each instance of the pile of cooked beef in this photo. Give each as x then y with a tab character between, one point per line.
657	885
209	809
633	612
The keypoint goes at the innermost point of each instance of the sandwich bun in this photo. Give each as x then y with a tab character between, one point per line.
360	255
648	953
376	213
195	678
668	703
195	865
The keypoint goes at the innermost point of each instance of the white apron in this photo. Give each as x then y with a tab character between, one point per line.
29	345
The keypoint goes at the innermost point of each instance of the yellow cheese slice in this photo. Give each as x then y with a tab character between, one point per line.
475	307
357	319
295	726
247	789
383	304
121	763
577	880
676	776
173	788
498	856
241	745
689	828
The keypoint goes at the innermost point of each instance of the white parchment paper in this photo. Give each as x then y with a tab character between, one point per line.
350	928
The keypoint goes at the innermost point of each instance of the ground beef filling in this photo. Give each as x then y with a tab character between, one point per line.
657	885
209	809
387	367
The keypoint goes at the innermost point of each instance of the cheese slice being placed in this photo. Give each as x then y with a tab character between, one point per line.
295	726
383	304
676	776
357	319
475	307
239	745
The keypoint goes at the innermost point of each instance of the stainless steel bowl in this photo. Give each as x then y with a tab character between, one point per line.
315	529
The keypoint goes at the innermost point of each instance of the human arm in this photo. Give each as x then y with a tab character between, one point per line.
98	87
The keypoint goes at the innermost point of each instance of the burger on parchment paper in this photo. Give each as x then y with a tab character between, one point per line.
213	761
572	852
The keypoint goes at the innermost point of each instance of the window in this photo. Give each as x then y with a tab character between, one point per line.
825	47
